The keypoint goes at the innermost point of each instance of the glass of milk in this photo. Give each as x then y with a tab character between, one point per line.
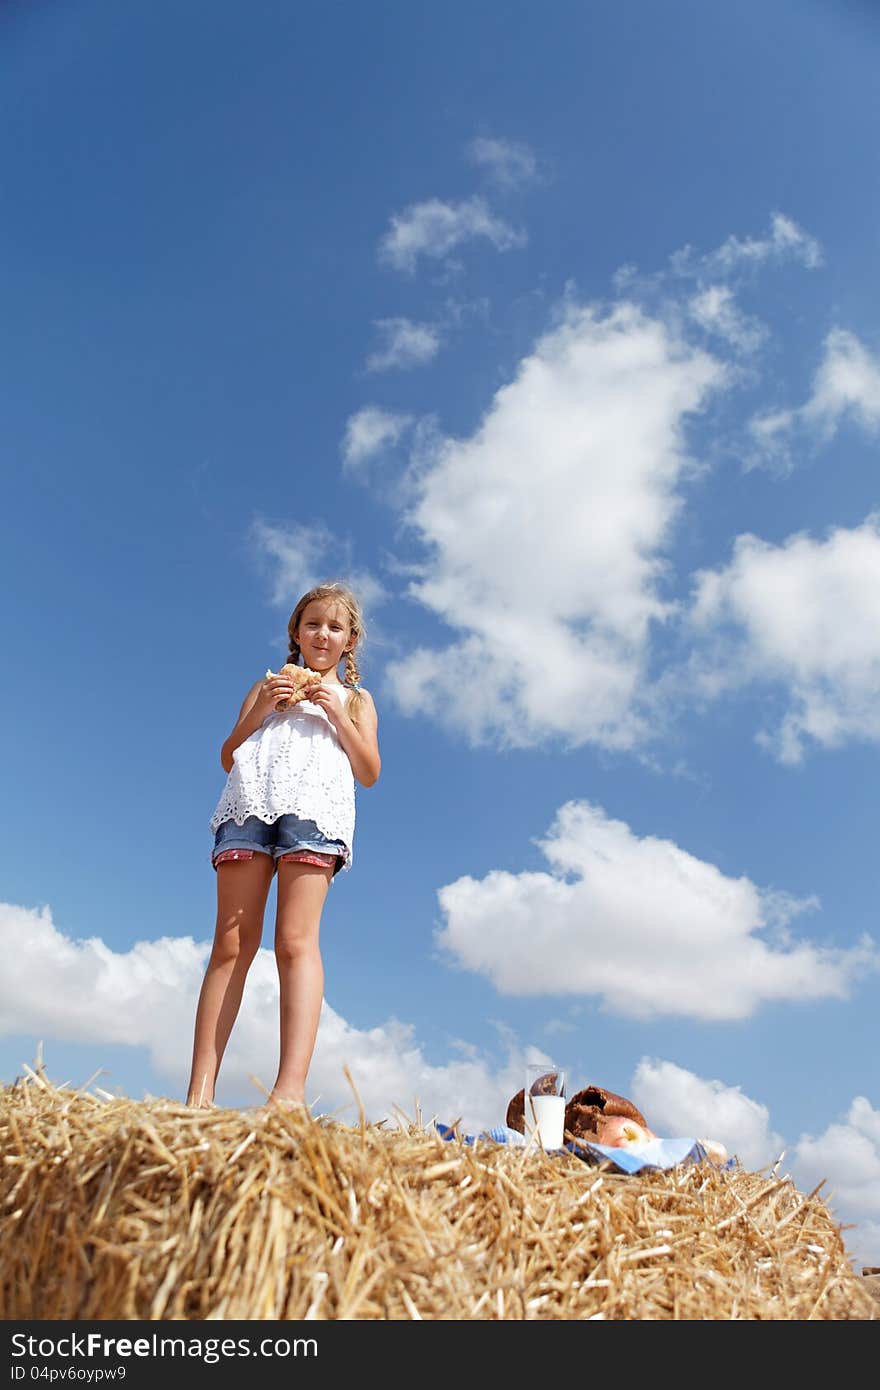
545	1104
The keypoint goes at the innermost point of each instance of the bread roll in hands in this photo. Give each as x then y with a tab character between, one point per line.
304	680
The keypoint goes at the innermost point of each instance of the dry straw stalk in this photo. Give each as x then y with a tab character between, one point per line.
116	1209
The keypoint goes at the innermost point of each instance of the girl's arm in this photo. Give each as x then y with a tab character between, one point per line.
359	736
258	703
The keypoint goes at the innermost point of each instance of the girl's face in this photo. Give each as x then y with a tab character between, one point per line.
324	634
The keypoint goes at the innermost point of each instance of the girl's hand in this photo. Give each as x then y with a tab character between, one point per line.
330	702
275	687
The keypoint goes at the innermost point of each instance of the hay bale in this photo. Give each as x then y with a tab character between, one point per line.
116	1209
872	1281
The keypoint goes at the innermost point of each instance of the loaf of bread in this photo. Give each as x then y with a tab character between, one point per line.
304	680
588	1109
584	1113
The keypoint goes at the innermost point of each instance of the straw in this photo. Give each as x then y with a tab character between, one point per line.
120	1209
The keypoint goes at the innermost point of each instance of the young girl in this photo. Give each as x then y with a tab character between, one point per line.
288	804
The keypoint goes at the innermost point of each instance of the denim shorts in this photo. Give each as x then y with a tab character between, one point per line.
287	835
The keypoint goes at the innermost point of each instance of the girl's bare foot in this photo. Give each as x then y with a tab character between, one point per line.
200	1100
287	1103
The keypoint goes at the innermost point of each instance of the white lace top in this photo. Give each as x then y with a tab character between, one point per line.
293	764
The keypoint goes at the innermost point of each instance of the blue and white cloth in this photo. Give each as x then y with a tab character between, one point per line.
654	1153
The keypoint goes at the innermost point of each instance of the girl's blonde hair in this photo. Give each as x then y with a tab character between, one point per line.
339	593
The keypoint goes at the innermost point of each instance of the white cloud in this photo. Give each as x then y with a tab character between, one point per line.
677	1102
369	431
545	535
641	924
847	1156
293	555
62	990
785	241
805	615
300	556
846	385
770	431
509	163
545	531
405	344
715	309
848	381
82	991
434	228
852	1149
560	1025
712	303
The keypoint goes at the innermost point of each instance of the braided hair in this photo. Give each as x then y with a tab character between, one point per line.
343	595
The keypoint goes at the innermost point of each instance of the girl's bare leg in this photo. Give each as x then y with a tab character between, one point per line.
242	890
302	889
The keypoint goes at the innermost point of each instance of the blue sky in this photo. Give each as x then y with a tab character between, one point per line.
556	331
